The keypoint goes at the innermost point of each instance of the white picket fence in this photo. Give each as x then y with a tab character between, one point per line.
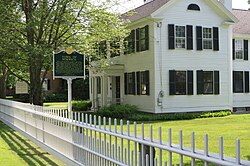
80	139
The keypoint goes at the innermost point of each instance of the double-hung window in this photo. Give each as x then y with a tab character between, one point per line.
180	82
137	83
142	79
208	82
180	37
207	38
240	81
238	49
142	38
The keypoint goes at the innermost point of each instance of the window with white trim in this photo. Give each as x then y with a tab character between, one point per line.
238	49
207	38
180	37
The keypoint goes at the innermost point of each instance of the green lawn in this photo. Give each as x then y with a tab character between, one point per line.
62	105
16	150
231	128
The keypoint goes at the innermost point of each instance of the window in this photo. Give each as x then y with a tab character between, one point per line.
240	82
240	49
207	38
98	84
208	82
131	83
193	7
180	82
142	39
180	41
137	84
180	36
130	43
142	79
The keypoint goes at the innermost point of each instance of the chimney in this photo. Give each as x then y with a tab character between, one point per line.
227	4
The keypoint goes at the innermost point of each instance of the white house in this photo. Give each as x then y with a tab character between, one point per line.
241	63
179	59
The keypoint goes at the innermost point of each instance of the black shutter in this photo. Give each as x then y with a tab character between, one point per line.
147	37
200	82
216	38
138	82
126	83
132	41
133	78
216	82
246	50
138	40
172	79
233	43
246	81
199	37
171	36
147	82
190	90
189	37
234	84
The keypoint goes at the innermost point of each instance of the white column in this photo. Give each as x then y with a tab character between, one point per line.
69	80
104	83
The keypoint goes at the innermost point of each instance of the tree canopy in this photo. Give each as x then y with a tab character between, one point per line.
32	29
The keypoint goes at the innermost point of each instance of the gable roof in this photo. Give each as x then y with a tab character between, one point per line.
149	8
243	26
145	10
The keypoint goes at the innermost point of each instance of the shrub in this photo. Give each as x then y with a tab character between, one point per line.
81	105
56	97
21	97
122	111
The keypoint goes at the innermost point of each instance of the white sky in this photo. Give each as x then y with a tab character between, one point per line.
130	4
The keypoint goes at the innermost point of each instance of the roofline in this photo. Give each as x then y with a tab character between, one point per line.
225	10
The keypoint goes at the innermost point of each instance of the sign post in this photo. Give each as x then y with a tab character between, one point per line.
69	65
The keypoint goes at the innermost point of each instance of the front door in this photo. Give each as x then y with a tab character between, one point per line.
118	89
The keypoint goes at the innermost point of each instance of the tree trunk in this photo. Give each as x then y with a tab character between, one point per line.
35	80
3	78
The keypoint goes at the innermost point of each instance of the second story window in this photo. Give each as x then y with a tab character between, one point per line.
142	38
240	49
180	41
180	37
207	38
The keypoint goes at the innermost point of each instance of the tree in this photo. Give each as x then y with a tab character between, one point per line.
36	28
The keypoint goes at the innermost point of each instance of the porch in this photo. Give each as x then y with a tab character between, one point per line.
106	86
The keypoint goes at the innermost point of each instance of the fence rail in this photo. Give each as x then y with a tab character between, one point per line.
81	139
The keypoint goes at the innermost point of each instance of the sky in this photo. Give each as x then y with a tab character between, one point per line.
125	5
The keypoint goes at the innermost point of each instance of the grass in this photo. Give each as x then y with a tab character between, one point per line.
62	105
17	150
231	128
